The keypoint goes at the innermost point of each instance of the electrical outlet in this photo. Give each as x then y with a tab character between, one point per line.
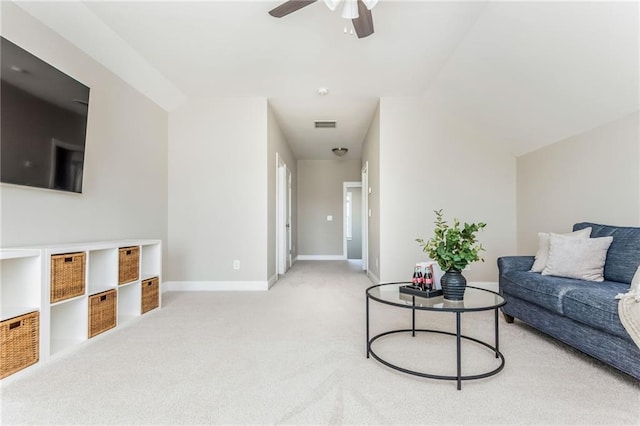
330	218
236	264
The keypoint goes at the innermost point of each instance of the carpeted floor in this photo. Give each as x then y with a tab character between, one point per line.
296	355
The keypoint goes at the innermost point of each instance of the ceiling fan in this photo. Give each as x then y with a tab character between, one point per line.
359	11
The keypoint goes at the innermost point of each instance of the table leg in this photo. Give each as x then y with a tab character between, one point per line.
367	343
458	350
497	338
413	317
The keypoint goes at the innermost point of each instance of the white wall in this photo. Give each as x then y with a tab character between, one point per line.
277	143
320	195
125	172
430	162
218	190
371	157
592	177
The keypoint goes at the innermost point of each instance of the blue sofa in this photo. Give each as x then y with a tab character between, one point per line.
582	314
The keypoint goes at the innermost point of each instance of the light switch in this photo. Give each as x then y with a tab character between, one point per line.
369	212
329	218
369	190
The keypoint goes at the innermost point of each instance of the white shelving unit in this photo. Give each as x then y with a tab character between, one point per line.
25	275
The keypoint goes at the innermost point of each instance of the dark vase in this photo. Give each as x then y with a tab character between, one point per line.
453	285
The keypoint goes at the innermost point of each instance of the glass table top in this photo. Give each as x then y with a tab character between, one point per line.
475	299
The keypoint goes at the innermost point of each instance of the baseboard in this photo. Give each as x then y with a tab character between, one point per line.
372	277
321	257
216	285
487	285
272	280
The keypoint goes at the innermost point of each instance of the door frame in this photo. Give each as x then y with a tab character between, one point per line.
289	224
345	187
283	216
365	216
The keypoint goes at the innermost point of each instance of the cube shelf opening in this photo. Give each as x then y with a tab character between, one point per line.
19	343
150	294
129	264
102	312
67	276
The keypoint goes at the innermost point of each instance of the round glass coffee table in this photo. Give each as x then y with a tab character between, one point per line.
475	299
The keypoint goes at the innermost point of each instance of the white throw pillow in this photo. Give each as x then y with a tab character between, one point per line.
581	258
543	246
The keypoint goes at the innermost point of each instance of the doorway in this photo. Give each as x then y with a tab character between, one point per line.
283	216
352	209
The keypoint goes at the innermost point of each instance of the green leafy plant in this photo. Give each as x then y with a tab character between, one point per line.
453	247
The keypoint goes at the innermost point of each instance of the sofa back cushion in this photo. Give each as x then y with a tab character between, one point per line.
623	257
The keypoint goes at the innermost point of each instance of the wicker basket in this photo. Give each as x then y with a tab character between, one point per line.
19	343
129	265
102	312
150	294
67	276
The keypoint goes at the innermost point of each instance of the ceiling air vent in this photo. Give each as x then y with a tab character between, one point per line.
325	124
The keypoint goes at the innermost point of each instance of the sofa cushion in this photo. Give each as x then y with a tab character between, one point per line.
596	306
542	290
623	257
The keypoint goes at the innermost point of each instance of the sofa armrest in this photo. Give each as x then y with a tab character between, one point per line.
515	263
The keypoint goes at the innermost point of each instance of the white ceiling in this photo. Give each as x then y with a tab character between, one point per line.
529	73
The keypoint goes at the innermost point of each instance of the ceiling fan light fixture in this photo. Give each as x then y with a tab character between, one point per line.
350	9
340	152
357	11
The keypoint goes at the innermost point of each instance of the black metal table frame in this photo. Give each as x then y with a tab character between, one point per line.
459	336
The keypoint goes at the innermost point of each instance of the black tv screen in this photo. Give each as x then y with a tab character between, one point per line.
43	122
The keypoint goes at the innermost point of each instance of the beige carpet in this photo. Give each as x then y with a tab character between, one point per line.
296	355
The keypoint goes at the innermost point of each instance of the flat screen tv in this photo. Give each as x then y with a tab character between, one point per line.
43	122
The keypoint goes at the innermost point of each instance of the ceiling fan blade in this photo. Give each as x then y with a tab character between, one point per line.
363	24
289	7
